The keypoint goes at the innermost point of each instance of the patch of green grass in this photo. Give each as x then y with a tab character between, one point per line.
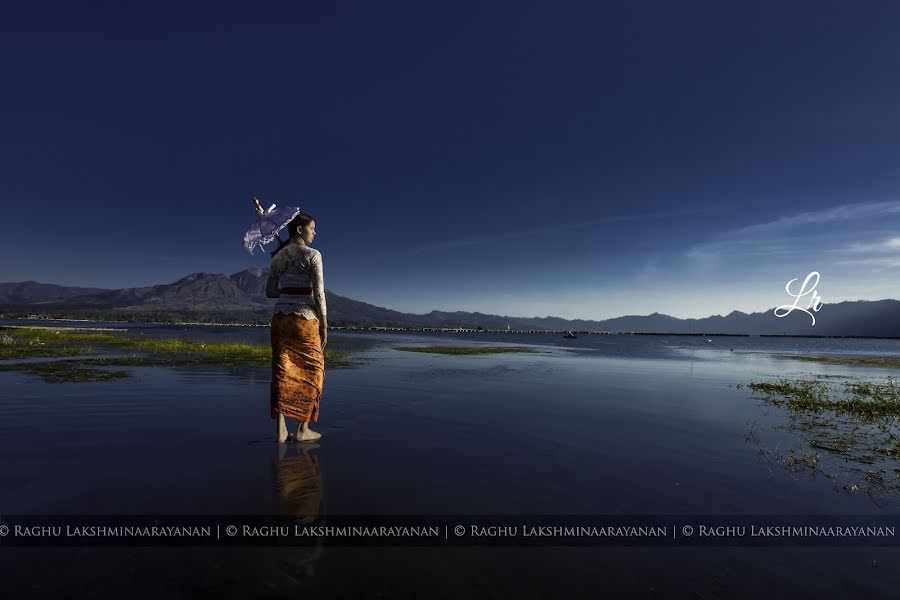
39	345
862	361
66	371
470	350
855	424
865	399
43	342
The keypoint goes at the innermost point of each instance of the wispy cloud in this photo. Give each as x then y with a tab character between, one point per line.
799	234
885	262
882	254
845	212
750	247
545	229
887	245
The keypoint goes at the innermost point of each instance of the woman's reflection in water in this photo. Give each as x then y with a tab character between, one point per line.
298	495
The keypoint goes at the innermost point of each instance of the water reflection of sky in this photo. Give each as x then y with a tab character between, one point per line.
636	425
569	431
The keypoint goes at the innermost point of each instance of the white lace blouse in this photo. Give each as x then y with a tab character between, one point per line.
298	265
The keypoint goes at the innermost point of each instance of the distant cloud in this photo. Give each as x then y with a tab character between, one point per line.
883	254
749	247
845	212
888	245
886	262
545	229
799	234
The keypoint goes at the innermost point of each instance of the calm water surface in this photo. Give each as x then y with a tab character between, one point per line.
595	425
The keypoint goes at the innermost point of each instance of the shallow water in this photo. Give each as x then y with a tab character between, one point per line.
595	425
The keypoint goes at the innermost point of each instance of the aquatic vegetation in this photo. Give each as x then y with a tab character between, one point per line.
38	344
165	352
865	399
469	350
66	371
225	354
862	361
851	431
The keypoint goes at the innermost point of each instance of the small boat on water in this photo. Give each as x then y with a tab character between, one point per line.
569	334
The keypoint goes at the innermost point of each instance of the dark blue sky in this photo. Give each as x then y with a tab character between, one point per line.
574	159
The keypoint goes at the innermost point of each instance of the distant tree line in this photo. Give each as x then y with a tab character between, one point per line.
162	316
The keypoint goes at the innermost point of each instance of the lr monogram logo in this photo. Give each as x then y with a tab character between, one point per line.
814	302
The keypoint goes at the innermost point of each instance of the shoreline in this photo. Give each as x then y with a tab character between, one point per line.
458	329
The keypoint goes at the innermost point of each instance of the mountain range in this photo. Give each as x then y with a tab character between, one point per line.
241	298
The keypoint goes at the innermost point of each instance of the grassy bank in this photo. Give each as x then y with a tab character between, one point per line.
889	362
39	342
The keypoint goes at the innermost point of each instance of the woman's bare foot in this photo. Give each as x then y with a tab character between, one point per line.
306	436
281	432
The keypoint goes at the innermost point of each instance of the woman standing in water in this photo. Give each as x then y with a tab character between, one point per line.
299	330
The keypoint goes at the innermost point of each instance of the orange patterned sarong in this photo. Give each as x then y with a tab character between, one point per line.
298	368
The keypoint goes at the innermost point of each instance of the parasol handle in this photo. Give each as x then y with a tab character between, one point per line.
259	207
